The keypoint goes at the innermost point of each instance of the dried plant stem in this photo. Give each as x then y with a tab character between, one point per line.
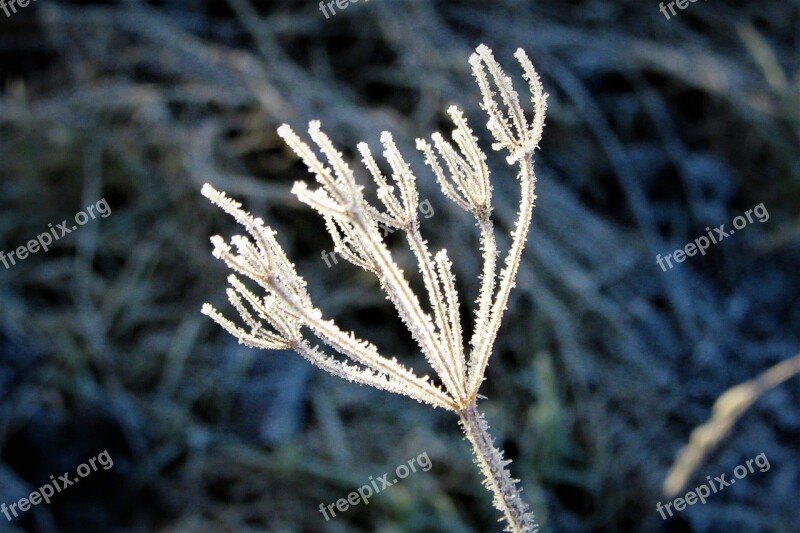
488	332
286	316
507	496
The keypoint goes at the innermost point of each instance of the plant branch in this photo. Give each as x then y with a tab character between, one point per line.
479	358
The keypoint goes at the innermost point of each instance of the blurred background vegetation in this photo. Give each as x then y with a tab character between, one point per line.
657	129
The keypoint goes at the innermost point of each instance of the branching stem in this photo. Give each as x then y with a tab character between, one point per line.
286	315
480	358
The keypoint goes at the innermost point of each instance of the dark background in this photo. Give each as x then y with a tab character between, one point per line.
656	129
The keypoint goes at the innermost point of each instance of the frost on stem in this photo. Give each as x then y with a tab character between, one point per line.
283	315
497	478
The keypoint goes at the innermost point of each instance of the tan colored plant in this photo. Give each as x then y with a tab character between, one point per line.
286	315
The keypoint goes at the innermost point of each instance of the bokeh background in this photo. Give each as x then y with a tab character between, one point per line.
657	129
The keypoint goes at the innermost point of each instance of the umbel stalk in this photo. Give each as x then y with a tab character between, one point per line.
285	316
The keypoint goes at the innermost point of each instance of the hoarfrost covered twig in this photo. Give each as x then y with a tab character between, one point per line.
286	315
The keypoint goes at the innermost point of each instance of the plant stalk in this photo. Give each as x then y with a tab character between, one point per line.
507	496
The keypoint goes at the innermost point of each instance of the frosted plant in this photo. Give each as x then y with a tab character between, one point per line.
285	317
